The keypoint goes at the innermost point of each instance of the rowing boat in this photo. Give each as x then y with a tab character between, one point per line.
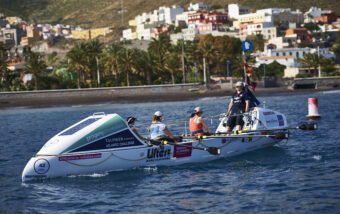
103	143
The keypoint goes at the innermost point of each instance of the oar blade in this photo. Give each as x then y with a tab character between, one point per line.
308	126
214	150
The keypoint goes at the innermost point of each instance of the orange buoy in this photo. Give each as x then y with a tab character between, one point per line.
313	109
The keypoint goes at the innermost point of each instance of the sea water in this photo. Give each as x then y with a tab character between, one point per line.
298	176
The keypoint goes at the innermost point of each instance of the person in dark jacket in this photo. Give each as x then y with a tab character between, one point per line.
239	104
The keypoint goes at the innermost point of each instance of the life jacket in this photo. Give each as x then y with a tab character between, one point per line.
195	128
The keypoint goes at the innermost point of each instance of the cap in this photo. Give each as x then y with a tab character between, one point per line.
130	120
198	109
158	114
239	84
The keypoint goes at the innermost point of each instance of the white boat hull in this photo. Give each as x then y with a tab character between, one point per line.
42	166
103	143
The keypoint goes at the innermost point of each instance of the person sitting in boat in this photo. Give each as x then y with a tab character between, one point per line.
158	130
130	121
197	123
239	104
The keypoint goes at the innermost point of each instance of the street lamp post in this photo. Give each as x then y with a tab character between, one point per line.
228	62
195	64
264	75
183	65
98	75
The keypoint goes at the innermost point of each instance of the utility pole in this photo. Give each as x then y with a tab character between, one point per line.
183	62
122	11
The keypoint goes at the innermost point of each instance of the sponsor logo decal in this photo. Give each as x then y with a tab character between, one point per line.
80	157
158	154
268	113
181	151
271	121
41	166
118	140
95	136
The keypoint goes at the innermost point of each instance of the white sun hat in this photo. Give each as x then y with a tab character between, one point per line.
239	84
198	109
158	114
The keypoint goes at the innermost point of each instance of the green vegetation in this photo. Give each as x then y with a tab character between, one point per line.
311	27
108	13
119	66
336	47
273	69
312	61
35	66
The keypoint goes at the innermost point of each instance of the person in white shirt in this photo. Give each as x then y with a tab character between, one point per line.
158	130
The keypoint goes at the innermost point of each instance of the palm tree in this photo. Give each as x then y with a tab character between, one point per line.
160	47
3	62
77	57
310	61
35	66
172	64
94	49
207	52
147	63
111	60
126	62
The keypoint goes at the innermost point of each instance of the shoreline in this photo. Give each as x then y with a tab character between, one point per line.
57	98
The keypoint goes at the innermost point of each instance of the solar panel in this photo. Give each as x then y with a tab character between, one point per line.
80	126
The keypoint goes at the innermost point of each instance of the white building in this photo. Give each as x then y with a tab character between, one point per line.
186	34
265	28
234	10
128	34
182	19
287	61
281	42
312	13
198	6
145	34
167	15
289	56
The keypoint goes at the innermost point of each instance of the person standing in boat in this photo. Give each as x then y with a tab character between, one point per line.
158	130
130	121
239	104
196	123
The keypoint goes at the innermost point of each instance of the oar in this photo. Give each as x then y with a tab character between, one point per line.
305	127
211	150
277	135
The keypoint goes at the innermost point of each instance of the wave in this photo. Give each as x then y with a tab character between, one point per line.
94	175
331	92
317	157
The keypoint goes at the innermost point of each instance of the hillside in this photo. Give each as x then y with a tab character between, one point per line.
89	13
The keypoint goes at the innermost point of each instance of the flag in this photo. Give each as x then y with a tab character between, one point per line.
249	72
252	99
247	46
